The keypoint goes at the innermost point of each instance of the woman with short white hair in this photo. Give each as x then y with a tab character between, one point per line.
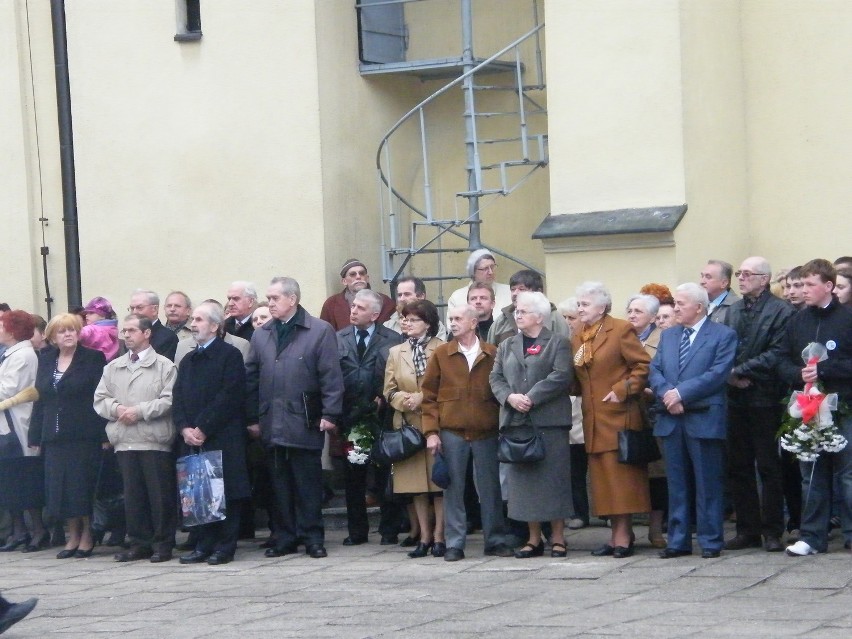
612	370
530	379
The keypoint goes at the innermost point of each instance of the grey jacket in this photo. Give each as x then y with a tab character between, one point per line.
149	387
504	326
545	377
720	312
277	383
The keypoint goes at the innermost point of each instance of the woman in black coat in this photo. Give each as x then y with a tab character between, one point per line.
67	429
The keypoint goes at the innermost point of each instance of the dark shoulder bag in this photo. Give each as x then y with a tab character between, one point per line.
520	450
637	447
396	445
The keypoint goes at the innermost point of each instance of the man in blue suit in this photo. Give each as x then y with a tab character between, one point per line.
689	377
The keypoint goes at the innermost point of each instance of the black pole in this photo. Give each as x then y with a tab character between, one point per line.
66	154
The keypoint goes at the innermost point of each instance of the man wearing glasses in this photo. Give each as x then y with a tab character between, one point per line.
147	304
716	280
755	410
482	267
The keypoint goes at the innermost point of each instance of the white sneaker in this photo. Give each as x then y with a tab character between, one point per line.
800	549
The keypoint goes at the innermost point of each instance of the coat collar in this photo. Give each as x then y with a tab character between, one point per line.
517	342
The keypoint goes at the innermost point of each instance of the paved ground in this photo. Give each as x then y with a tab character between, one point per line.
376	591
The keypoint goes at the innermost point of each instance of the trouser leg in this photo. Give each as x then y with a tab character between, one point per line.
486	471
280	473
456	454
160	480
355	482
306	468
137	509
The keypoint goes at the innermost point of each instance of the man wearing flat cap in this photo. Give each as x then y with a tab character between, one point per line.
355	278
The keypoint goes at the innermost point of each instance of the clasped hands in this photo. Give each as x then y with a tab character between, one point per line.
520	402
673	402
193	436
127	415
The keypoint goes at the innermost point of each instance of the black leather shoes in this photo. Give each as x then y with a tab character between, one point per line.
355	541
42	543
392	540
134	554
421	550
741	542
604	551
454	554
621	552
528	550
317	551
160	557
671	553
195	557
15	542
710	554
219	558
279	552
66	553
439	549
773	544
499	550
409	542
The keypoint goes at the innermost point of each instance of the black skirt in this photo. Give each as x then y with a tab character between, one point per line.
71	470
21	483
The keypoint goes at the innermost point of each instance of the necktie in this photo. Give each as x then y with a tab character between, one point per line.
684	346
134	357
362	342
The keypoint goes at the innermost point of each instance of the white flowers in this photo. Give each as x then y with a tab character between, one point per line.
361	441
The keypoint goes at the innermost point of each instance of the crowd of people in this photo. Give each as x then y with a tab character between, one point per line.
518	400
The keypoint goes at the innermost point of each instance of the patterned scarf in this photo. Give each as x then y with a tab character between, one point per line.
583	356
419	354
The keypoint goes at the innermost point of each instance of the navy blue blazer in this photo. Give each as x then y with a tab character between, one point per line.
702	383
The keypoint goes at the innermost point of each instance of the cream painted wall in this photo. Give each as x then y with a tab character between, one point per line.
614	91
615	86
715	152
197	163
797	61
29	169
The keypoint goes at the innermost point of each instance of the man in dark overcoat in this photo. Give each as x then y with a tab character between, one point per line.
209	398
363	349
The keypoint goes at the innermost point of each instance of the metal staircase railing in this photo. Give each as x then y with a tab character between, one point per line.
511	173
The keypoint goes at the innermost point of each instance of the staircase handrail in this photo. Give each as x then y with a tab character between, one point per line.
439	93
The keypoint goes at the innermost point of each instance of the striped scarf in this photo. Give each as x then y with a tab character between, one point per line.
419	354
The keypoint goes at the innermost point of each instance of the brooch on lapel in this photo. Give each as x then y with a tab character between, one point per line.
535	349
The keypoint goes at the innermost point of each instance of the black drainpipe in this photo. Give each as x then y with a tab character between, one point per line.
66	154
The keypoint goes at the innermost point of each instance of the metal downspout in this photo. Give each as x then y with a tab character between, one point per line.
66	154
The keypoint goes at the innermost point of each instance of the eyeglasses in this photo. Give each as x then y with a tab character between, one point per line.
519	312
747	274
411	318
138	307
486	269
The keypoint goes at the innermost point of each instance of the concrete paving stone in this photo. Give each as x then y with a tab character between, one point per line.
690	588
648	630
798	578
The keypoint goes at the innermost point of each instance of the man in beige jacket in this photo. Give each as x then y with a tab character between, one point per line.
135	395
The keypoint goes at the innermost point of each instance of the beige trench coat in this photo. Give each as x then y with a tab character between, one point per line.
413	475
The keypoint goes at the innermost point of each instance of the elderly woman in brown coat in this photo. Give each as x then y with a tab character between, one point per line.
612	370
403	376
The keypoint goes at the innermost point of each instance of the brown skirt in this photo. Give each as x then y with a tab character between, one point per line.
617	489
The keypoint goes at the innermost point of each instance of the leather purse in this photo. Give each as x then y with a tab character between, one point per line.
396	445
636	447
520	450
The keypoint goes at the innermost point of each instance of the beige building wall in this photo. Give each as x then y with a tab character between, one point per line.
736	109
798	91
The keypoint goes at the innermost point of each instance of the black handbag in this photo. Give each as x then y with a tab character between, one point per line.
10	445
520	450
396	445
637	447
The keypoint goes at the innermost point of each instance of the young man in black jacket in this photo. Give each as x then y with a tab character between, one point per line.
825	321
